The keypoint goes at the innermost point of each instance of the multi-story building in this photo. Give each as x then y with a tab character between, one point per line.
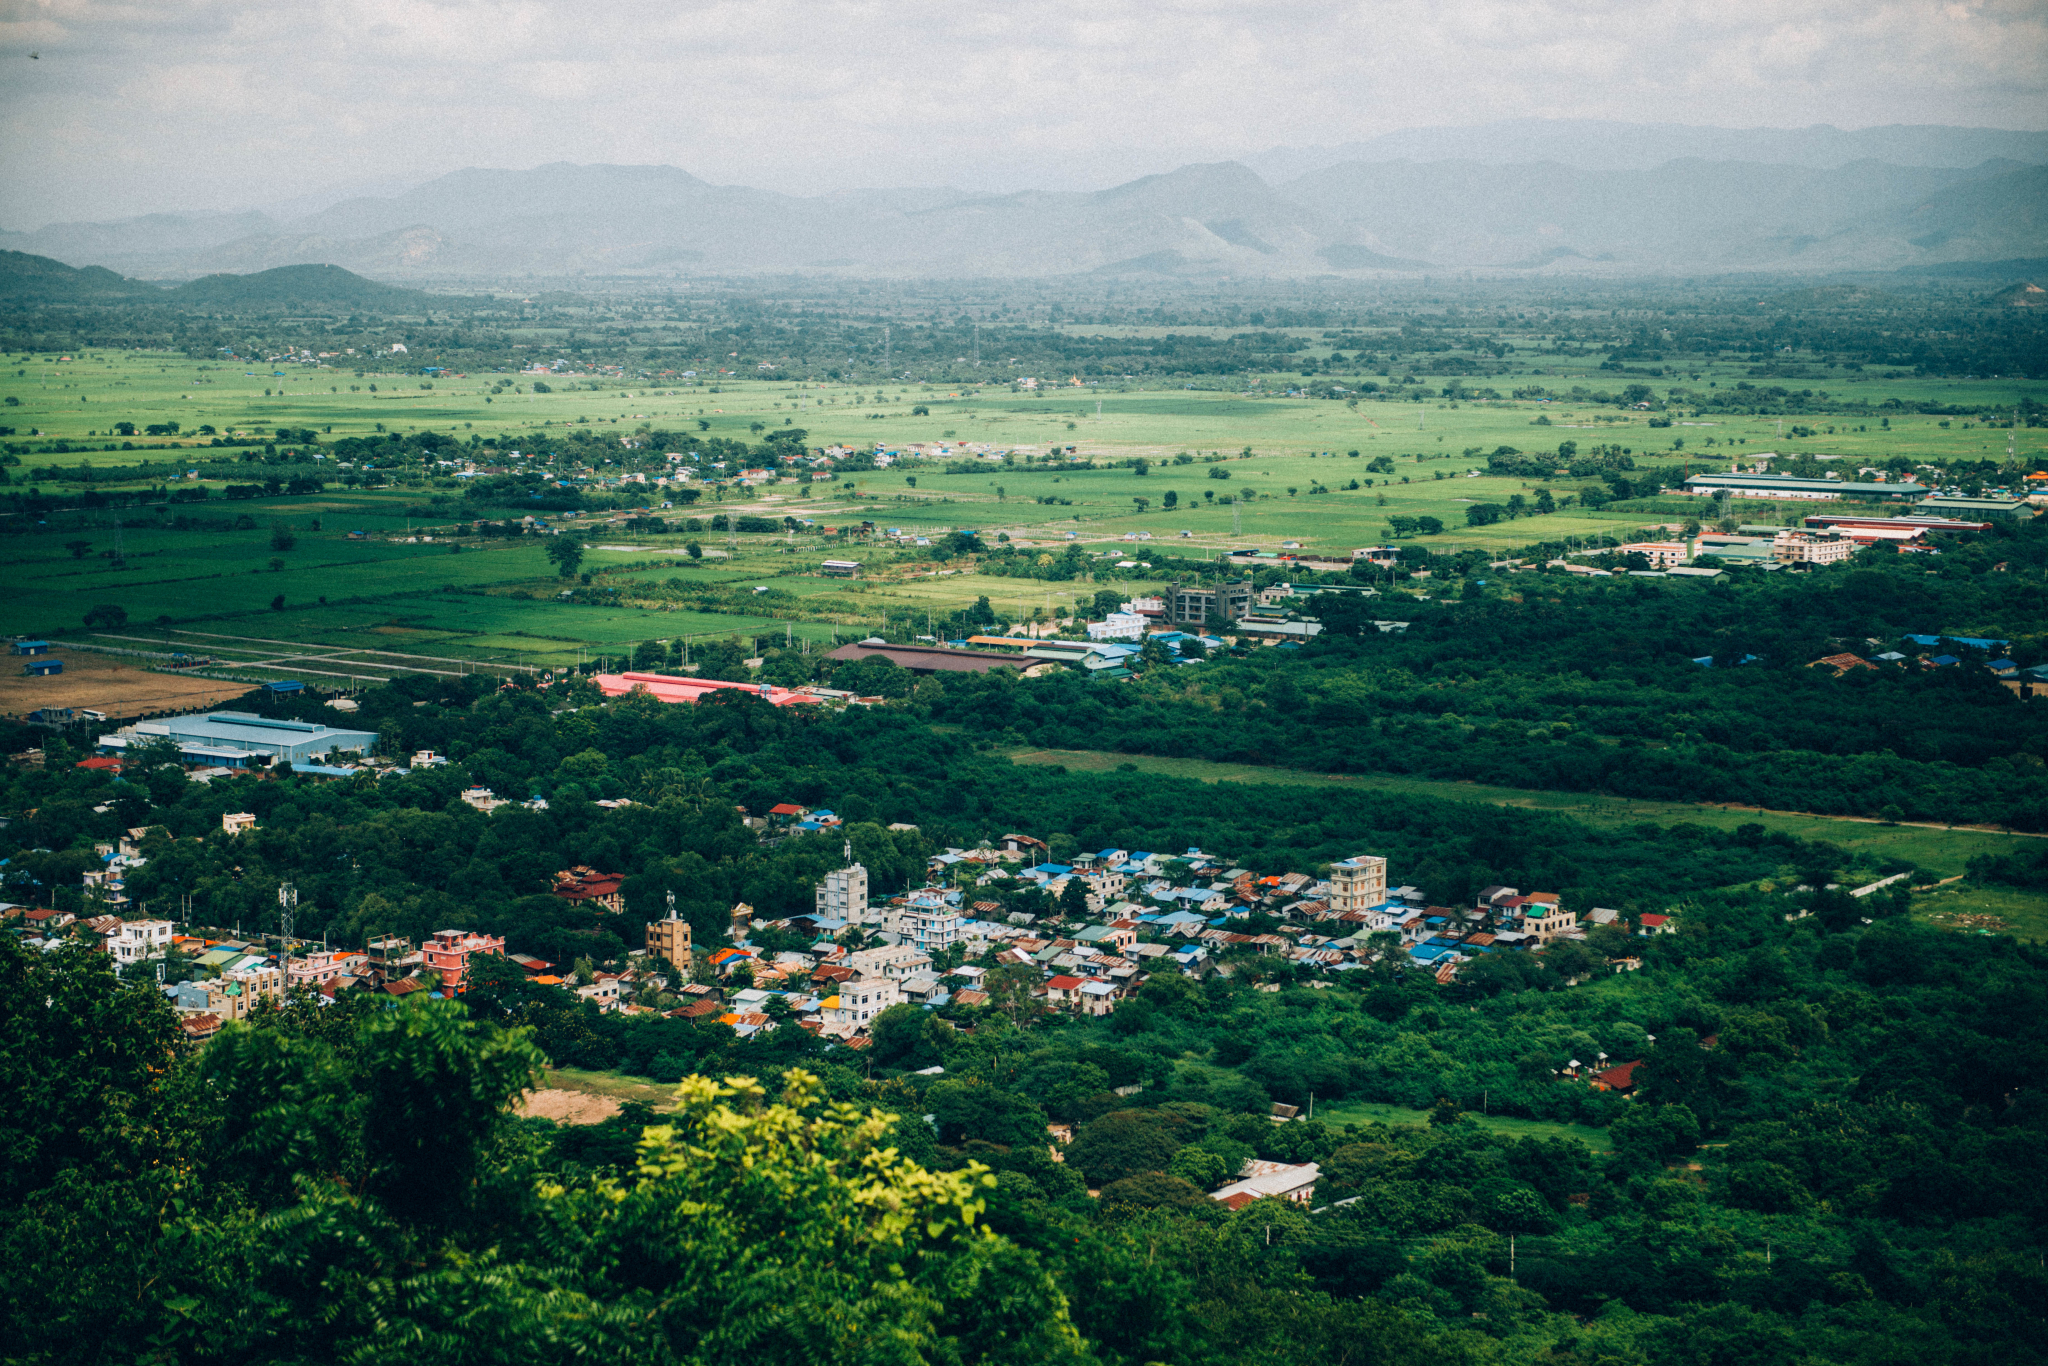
1547	920
860	999
323	965
929	921
223	999
1660	554
843	893
257	977
449	952
135	940
1119	626
895	961
1358	883
669	940
1195	604
1805	547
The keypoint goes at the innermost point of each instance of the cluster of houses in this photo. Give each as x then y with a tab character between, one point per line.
1104	922
1116	917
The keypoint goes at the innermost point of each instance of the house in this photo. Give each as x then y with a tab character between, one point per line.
43	668
1261	1180
1620	1079
1658	924
1841	664
135	940
49	922
317	968
235	822
1024	844
1063	991
1112	938
449	952
1548	922
604	993
860	999
894	961
31	647
585	886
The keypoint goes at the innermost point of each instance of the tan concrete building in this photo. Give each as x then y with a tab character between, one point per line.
1358	883
1804	547
1660	554
669	940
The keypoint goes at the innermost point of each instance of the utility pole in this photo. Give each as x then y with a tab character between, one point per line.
885	348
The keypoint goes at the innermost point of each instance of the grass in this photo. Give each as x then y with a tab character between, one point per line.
1341	1112
1969	909
1946	851
336	590
614	1084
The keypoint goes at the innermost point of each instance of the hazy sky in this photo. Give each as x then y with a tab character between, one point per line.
141	105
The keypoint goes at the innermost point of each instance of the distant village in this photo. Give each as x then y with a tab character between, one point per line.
1113	918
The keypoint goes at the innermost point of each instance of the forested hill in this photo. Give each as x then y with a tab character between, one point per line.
1830	1151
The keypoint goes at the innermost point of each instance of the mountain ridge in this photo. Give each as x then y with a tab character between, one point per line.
1215	219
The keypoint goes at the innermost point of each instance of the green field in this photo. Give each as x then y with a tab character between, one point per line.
1341	1112
338	591
1969	909
1941	849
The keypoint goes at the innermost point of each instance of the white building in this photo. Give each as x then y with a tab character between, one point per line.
1123	625
1805	547
860	999
134	940
928	921
843	894
894	961
1272	1181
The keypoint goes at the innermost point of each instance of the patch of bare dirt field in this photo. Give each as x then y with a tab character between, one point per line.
568	1107
106	683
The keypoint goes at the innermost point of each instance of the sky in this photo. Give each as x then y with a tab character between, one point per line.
136	106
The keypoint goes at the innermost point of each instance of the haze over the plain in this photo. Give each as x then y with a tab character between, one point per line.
117	109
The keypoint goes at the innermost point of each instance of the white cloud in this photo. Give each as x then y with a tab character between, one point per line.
219	103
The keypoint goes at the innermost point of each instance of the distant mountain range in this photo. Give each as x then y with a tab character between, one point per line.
1554	198
38	279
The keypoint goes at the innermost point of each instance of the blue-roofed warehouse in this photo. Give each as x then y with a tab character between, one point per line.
297	742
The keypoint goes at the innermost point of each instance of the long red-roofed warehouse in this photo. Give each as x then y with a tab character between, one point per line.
667	688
